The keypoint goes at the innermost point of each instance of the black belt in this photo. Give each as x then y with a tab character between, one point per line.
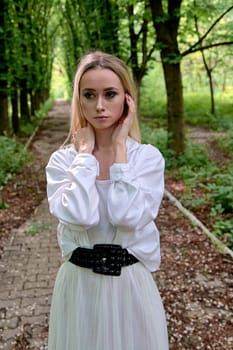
106	259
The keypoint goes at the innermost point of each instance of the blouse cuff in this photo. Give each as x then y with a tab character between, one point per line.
121	172
86	160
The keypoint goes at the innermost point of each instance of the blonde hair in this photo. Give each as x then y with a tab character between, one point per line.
98	59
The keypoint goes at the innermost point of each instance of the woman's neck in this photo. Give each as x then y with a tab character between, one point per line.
103	140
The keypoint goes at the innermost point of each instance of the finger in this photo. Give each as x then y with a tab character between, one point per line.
129	99
74	137
131	108
131	104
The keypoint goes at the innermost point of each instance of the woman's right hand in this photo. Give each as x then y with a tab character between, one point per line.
124	124
84	139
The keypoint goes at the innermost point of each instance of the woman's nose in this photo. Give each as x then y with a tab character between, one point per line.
100	104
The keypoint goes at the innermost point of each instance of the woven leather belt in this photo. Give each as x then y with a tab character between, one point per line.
106	259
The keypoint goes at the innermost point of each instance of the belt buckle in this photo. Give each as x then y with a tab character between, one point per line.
108	259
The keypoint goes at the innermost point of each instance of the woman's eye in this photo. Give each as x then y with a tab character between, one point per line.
111	94
89	95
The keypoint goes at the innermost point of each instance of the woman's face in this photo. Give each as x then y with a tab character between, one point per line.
102	97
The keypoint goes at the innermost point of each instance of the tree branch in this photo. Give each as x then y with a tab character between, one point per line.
190	50
209	30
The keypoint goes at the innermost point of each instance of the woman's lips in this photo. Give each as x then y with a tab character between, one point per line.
101	117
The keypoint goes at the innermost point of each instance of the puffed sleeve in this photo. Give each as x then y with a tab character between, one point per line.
137	189
71	190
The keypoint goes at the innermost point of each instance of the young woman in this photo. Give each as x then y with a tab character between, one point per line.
106	188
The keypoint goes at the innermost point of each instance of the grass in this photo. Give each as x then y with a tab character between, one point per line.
36	228
196	105
197	111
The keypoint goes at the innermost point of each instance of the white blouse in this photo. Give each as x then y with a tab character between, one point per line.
119	211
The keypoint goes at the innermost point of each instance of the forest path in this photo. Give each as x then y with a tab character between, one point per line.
202	135
195	280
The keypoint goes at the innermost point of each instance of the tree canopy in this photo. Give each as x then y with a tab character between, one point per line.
33	33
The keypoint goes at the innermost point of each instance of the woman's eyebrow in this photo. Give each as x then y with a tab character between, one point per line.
111	88
106	89
88	89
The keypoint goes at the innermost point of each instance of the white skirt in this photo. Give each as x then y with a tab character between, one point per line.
90	311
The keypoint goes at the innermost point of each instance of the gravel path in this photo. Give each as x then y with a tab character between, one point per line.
195	280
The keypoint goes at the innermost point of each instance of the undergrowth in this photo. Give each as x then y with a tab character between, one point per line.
13	153
28	128
197	111
208	188
12	157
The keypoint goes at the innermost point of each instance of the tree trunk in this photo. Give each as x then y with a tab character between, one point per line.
32	106
109	25
45	94
173	81
211	84
208	71
4	122
15	111
24	109
166	28
224	80
138	37
37	100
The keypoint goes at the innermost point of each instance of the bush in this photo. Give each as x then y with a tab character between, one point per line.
226	143
221	191
194	157
12	157
158	138
13	154
225	228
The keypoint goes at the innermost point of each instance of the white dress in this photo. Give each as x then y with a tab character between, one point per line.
90	311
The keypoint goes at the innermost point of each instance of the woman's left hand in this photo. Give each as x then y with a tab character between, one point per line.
121	131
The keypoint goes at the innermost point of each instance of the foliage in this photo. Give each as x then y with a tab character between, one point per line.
12	157
207	187
86	25
220	190
224	228
27	128
13	154
194	157
226	143
197	111
37	32
210	188
153	101
123	28
158	137
28	42
60	85
196	105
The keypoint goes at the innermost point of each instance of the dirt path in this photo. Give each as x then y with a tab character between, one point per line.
209	138
195	280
